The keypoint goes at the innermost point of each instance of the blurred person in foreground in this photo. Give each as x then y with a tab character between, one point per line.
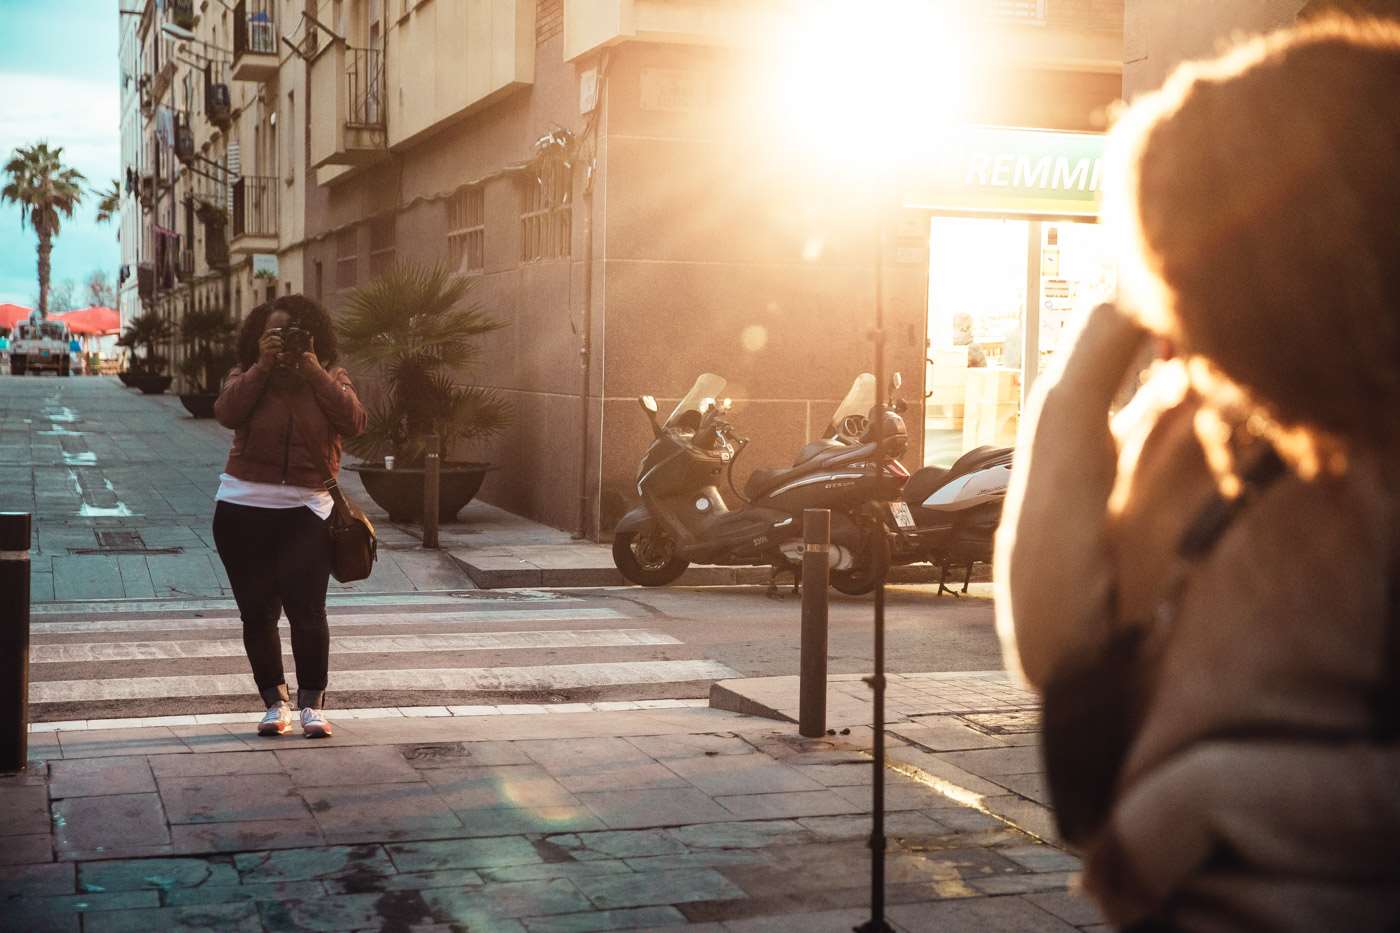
1205	589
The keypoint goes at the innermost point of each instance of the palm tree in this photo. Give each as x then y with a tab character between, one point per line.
146	331
415	324
46	191
109	202
208	335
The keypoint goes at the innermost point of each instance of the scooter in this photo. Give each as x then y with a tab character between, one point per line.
956	512
683	517
947	516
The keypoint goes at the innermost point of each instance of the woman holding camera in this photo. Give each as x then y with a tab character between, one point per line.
289	407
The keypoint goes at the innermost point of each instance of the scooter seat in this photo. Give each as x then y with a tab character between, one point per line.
760	481
927	481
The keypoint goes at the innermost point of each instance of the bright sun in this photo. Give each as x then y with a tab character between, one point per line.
862	83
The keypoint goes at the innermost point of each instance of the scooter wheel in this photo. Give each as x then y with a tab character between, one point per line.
873	568
648	557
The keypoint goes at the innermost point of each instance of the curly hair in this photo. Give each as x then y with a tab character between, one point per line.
304	313
1259	193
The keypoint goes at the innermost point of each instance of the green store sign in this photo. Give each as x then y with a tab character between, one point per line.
1010	171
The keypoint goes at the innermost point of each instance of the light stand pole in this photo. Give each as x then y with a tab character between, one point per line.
876	923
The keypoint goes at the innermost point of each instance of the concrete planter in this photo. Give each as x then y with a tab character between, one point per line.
150	384
199	404
400	491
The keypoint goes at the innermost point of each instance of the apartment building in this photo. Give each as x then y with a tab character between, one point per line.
130	235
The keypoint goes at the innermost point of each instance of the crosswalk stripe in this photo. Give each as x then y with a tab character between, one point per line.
352	644
580	614
333	600
466	679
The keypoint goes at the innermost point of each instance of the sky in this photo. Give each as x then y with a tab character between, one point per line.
59	82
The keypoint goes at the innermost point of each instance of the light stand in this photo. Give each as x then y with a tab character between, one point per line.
876	923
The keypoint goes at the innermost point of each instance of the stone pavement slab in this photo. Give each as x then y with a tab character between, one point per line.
502	843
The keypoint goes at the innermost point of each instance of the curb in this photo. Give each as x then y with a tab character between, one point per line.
504	572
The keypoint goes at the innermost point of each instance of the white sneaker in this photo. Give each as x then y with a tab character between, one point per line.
314	725
278	720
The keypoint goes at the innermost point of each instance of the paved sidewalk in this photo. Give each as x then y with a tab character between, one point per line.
644	819
976	733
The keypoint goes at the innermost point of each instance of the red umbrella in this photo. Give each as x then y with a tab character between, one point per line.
96	321
11	315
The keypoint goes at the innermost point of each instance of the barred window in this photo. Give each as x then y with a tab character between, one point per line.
466	230
346	257
546	215
382	232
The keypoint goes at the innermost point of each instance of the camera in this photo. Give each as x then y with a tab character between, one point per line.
295	340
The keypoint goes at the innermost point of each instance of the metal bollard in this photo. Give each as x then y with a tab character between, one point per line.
816	573
432	476
14	641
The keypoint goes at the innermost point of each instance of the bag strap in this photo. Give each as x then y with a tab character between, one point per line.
332	486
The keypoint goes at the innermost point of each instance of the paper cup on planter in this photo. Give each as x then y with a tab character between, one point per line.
388	463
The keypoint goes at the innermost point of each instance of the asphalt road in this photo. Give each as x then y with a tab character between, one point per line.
150	630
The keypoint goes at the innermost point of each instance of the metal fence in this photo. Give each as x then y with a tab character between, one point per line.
255	206
254	28
364	76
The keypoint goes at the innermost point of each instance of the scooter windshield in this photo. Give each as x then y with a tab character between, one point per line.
859	401
707	385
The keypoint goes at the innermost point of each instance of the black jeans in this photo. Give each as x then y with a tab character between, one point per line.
279	559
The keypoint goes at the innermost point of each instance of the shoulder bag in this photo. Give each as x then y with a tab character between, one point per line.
1093	707
353	544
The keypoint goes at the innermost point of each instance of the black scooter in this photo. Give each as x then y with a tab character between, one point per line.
683	518
947	516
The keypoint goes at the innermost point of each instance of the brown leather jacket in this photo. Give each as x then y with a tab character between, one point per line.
270	444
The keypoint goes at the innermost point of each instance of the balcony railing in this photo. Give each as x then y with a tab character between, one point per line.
184	265
255	206
254	28
364	77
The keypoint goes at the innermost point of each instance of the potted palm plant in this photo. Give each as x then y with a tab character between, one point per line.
413	327
146	372
208	337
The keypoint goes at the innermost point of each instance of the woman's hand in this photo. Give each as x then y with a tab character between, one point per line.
269	348
309	361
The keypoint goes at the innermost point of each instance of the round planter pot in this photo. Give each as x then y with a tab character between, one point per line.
200	405
151	385
400	491
125	378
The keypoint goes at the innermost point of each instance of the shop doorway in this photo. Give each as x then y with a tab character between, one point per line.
1001	293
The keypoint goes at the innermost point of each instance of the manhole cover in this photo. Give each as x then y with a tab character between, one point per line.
447	751
123	542
1015	722
120	540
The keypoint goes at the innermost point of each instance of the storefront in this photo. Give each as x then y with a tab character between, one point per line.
1014	249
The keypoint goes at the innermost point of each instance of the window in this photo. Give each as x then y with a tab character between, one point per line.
381	244
346	258
466	230
546	215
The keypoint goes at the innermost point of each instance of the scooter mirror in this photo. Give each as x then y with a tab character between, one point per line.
649	403
706	404
726	404
897	380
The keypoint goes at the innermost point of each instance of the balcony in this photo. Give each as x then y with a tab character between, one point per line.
254	214
254	41
350	130
184	265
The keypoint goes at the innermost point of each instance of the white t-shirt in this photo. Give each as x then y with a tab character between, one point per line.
273	495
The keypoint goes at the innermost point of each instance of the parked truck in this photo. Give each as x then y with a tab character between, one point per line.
37	345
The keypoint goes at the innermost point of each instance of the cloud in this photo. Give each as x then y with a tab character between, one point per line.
83	117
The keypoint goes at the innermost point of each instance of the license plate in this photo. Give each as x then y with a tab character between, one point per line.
902	516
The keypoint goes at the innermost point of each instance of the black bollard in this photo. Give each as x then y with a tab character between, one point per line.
816	569
432	477
14	641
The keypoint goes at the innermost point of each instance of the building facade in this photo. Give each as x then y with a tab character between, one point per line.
601	172
130	231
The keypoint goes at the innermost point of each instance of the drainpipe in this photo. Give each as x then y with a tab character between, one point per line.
586	345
